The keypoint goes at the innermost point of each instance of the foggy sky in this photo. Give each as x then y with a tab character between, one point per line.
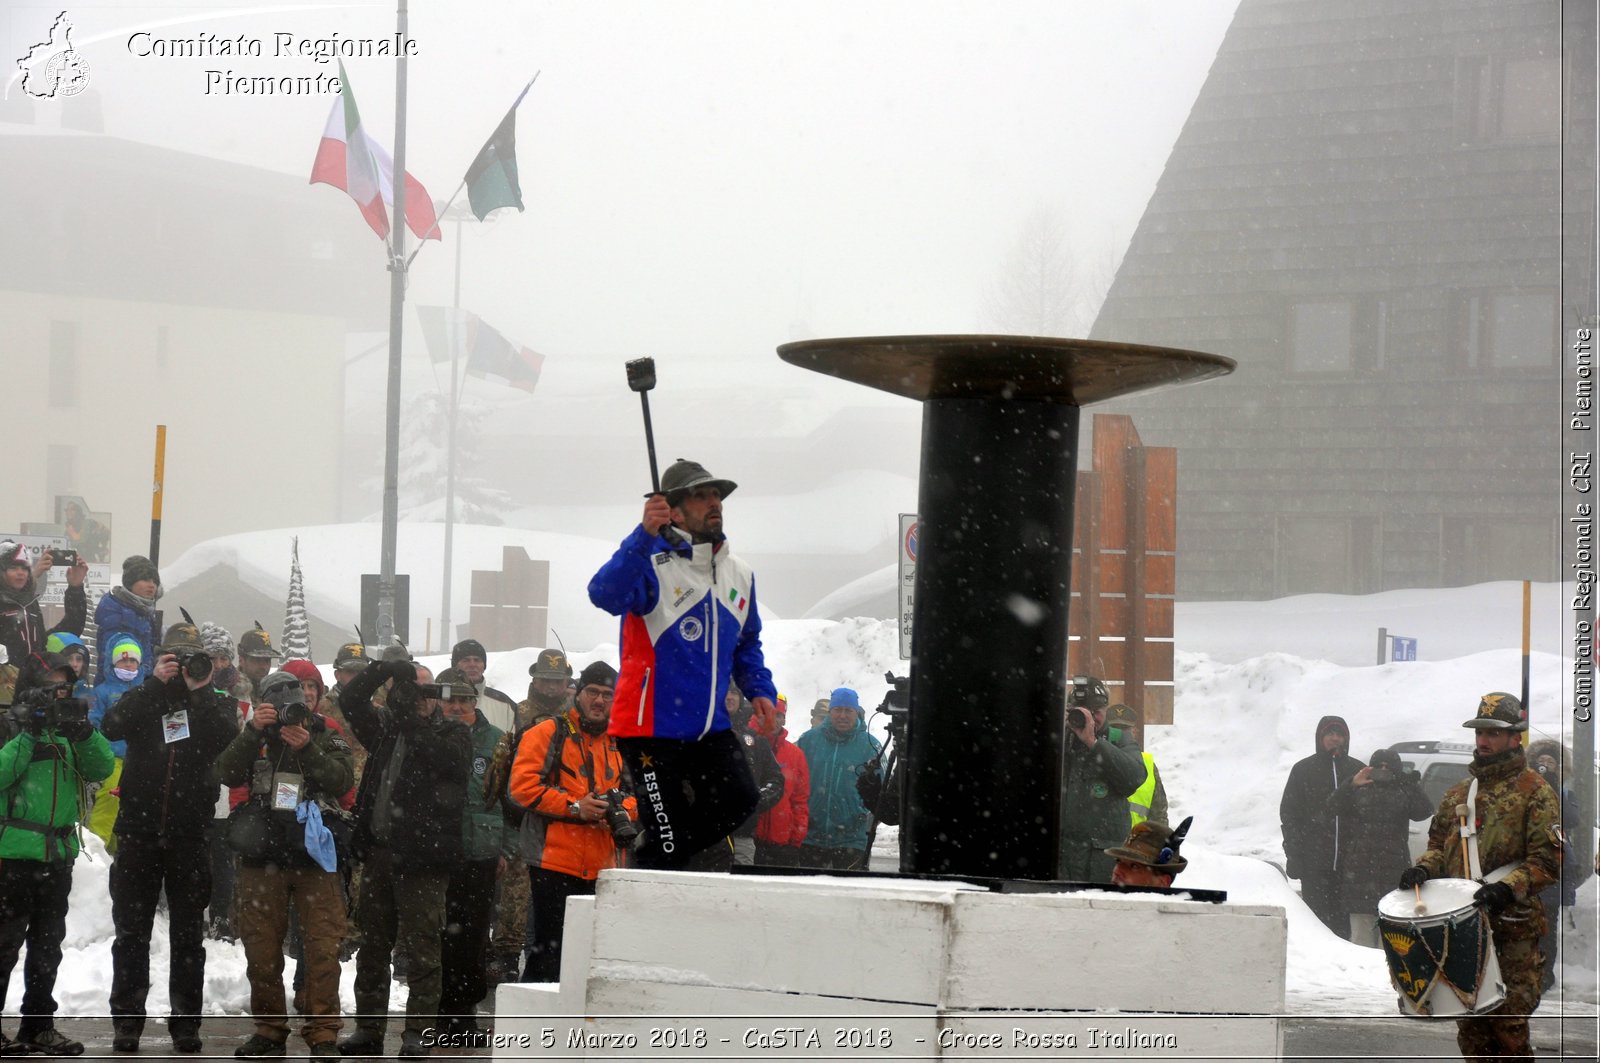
711	178
703	180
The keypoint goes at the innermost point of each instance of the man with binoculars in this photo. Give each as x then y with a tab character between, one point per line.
175	724
569	775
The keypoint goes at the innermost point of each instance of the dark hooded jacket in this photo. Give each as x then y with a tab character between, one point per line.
1310	829
413	792
1375	827
22	627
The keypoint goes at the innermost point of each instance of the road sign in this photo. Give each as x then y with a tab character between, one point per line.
1404	649
908	580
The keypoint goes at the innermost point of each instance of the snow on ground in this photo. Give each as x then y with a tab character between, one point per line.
1242	719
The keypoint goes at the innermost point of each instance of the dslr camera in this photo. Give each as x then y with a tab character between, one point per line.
623	829
196	665
1085	693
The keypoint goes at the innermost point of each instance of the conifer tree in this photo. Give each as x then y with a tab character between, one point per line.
296	624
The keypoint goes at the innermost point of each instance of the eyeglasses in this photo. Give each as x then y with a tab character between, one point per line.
598	693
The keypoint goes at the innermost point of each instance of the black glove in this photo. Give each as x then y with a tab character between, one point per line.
869	785
77	731
1495	897
400	671
1413	876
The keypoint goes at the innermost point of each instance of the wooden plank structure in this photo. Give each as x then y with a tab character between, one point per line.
510	608
1124	568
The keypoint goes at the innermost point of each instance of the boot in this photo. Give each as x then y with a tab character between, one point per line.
364	1042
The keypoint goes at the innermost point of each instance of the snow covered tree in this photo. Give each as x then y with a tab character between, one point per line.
1043	288
425	458
296	624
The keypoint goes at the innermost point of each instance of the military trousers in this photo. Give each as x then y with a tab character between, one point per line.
1502	1034
264	894
399	909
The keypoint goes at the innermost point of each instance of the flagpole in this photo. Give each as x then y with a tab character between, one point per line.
445	630
397	299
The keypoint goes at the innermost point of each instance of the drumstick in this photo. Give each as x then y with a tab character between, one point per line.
1466	867
1422	909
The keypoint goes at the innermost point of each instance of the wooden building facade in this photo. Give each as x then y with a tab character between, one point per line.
1364	209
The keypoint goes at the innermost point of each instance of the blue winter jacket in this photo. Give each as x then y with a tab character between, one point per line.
689	622
838	818
111	613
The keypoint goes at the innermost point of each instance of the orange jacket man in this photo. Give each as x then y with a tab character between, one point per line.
569	775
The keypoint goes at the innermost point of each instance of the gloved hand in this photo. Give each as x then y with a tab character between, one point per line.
77	731
1495	897
869	785
400	671
1413	876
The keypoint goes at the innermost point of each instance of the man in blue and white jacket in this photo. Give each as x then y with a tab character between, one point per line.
689	622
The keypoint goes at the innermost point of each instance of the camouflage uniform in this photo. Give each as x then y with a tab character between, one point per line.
511	907
1517	818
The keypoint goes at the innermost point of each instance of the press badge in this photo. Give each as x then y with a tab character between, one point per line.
286	787
175	726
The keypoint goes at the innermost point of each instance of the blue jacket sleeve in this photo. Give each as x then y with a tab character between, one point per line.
749	663
627	583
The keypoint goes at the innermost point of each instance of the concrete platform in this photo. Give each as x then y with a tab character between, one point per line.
699	966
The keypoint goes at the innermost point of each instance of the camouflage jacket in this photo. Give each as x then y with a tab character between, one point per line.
1518	819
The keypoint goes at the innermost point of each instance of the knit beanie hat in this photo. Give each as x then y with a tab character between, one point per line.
137	568
217	640
468	648
598	674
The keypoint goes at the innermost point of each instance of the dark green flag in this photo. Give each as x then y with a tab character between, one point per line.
492	178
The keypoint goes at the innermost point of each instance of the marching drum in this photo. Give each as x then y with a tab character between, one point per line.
1441	960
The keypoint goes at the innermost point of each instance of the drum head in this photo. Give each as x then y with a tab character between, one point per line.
1440	896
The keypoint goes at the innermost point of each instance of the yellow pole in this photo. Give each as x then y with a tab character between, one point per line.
157	488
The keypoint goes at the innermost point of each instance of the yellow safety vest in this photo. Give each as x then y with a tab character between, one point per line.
1139	800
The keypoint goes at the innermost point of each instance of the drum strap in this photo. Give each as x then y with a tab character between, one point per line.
1469	831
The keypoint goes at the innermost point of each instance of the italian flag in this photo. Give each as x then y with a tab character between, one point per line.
350	160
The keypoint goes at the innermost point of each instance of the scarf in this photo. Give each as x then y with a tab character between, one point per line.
138	603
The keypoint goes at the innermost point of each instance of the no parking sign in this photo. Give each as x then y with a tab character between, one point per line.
908	579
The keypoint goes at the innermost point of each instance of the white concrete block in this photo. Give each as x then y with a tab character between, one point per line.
577	942
1102	952
530	1020
637	1016
1057	1035
813	935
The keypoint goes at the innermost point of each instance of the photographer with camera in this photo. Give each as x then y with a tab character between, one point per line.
1375	807
22	629
570	776
469	899
408	813
42	775
295	767
175	724
1099	774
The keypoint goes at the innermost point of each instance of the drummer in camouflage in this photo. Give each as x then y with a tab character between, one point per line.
1517	819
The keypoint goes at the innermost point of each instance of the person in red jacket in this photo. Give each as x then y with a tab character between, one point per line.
782	828
564	769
